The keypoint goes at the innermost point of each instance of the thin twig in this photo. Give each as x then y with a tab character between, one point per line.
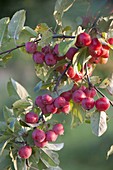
60	77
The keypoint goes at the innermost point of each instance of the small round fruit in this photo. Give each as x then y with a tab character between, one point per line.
78	96
83	39
71	72
38	101
102	104
31	117
38	57
31	47
90	92
58	129
51	136
66	108
38	135
67	95
47	99
50	59
95	45
51	108
103	60
71	52
110	40
88	103
25	152
41	144
59	102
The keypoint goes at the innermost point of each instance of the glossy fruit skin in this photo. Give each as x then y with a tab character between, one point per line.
51	136
110	41
88	103
66	108
31	117
38	135
90	92
83	39
71	72
71	52
59	102
41	144
50	59
39	102
67	95
25	152
58	129
38	57
51	108
31	47
78	96
47	99
102	104
95	45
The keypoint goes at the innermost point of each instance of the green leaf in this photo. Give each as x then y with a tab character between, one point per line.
12	123
38	86
8	113
3	26
95	80
49	158
3	145
54	168
14	88
3	126
64	46
46	38
77	114
55	147
5	162
110	152
98	123
104	23
61	6
41	28
65	87
16	24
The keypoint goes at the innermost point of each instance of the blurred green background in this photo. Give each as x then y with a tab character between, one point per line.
83	150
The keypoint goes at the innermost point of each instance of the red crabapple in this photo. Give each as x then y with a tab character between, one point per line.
58	129
47	99
38	57
78	96
51	108
71	72
38	135
38	101
88	103
102	104
66	108
67	95
31	47
41	144
110	40
31	117
83	39
25	152
95	45
90	92
59	102
71	52
50	59
51	136
46	49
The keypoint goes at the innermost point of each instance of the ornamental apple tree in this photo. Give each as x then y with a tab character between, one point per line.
64	60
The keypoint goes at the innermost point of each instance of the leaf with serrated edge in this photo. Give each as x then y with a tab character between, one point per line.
16	24
110	152
98	123
3	25
55	147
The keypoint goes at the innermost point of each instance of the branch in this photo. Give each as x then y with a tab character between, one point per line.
60	77
37	40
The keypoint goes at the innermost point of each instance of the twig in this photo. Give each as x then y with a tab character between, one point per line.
60	77
37	40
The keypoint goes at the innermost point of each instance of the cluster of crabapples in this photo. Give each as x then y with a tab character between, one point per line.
39	136
85	96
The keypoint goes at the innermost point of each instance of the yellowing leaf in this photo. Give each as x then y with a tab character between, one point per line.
110	86
104	83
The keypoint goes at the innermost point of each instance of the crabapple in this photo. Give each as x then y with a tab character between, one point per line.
31	117
51	136
46	49
66	108
103	60
71	72
110	40
67	95
50	59
78	77
38	101
88	103
31	47
83	39
51	108
90	92
41	144
38	57
78	96
38	135
102	104
58	129
71	52
47	99
95	45
25	152
59	102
